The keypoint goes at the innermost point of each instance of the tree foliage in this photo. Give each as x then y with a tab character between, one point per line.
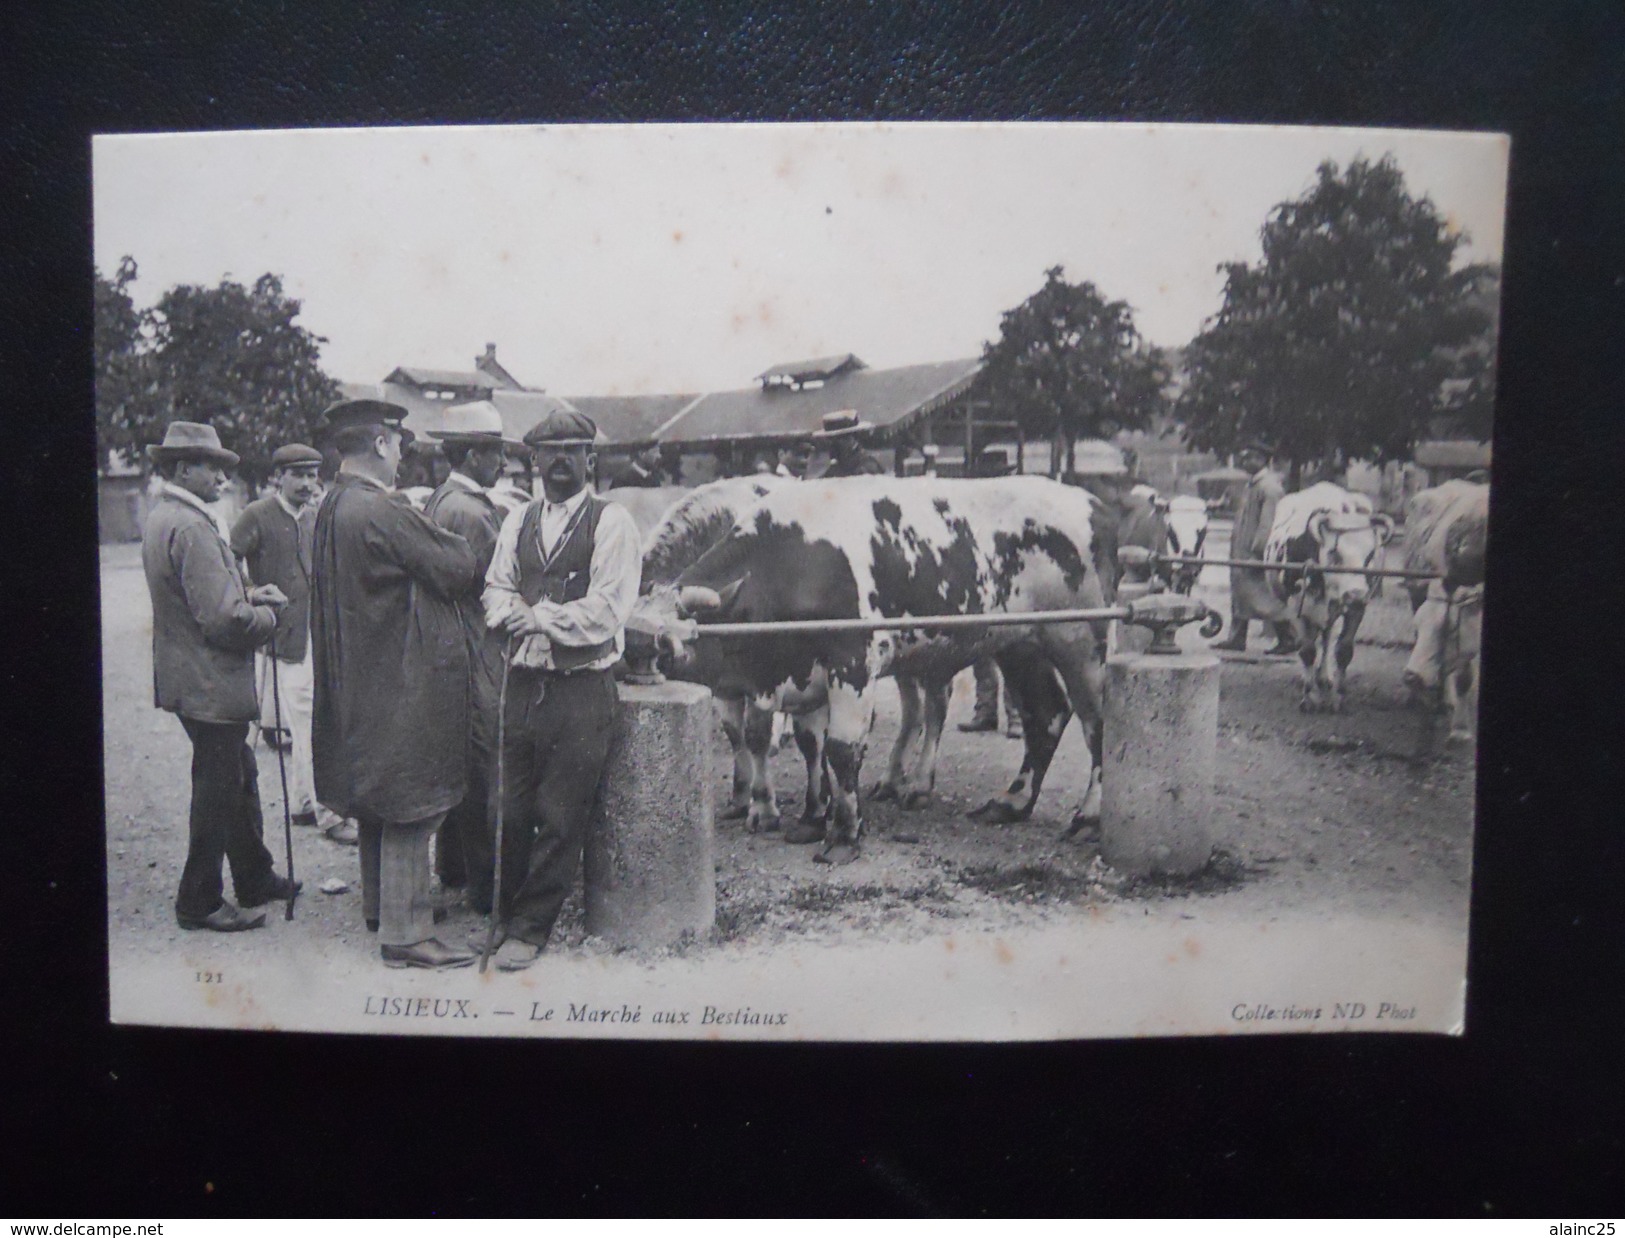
1353	333
229	355
1070	364
120	361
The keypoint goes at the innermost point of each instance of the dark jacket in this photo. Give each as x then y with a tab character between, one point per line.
390	732
474	517
277	548
204	632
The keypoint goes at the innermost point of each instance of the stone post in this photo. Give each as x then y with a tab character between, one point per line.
650	863
1157	775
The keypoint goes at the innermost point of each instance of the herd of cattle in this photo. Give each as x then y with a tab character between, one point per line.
768	549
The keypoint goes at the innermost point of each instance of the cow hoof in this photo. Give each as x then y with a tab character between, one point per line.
1082	828
837	853
765	823
734	812
916	799
803	832
997	812
883	791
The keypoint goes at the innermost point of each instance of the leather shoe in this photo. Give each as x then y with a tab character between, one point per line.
433	954
979	724
305	819
476	937
1230	645
345	833
279	890
1283	649
372	926
516	954
225	918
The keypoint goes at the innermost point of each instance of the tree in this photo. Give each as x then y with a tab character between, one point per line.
120	362
229	355
1346	340
1068	363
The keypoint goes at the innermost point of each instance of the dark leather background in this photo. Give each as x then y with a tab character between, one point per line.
1520	1117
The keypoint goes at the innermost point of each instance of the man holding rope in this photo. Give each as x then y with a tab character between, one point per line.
563	581
391	725
206	624
1250	593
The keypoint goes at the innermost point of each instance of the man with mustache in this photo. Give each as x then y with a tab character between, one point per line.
206	623
273	537
561	586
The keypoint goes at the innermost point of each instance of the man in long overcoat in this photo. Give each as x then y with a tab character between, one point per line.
1250	594
474	447
391	726
206	625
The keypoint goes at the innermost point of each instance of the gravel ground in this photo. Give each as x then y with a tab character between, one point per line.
1367	813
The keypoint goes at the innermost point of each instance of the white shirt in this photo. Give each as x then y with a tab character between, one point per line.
612	586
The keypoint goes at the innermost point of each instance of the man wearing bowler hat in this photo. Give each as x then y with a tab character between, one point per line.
1250	594
563	580
842	432
206	624
273	537
391	725
472	441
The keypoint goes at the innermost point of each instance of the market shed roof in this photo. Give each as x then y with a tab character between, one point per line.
888	398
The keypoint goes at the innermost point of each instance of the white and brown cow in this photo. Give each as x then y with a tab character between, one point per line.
1335	530
886	547
1184	520
1445	532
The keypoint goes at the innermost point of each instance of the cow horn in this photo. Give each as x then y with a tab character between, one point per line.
1317	526
1384	525
693	598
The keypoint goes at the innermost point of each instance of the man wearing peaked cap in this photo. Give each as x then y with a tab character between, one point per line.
273	538
472	440
562	583
391	724
1250	594
843	432
206	624
343	419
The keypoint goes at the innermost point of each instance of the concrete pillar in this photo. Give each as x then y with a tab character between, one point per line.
650	862
1129	637
1157	775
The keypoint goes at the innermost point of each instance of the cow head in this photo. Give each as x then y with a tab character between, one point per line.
1187	522
1348	542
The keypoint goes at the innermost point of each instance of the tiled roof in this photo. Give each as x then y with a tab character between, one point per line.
442	378
815	369
888	398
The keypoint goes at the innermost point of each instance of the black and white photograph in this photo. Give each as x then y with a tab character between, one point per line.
794	582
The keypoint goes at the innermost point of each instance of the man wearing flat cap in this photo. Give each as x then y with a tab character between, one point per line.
472	441
842	432
1250	594
206	624
563	580
273	538
391	725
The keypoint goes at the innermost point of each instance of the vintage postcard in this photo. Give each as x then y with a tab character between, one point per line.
794	582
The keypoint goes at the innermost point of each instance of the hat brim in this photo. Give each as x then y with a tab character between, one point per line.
562	442
159	454
863	427
476	437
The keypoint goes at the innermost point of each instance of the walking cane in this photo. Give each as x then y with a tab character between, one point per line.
282	767
496	874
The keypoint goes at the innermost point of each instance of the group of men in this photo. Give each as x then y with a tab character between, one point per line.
423	642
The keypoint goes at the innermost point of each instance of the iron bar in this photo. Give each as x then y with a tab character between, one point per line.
908	622
1177	561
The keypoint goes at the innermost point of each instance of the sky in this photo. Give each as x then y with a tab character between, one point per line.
607	260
